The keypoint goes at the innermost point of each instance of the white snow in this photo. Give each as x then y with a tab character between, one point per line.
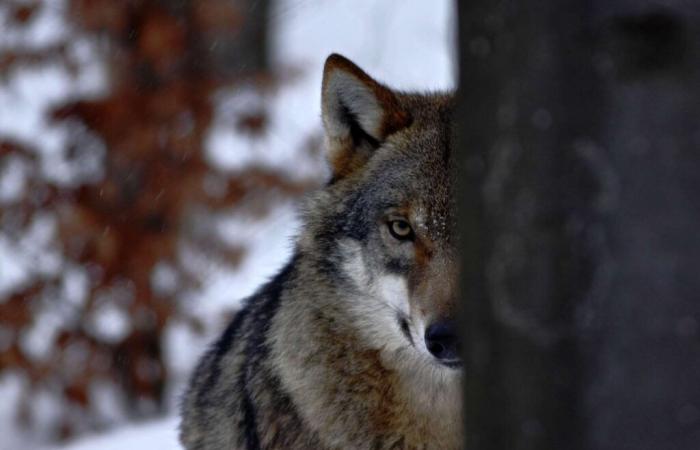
109	322
28	92
37	341
268	244
156	435
164	279
47	28
13	179
406	43
29	254
11	386
74	286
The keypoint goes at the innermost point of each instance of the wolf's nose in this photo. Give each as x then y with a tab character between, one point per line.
441	341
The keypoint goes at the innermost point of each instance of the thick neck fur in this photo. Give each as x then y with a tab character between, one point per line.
352	374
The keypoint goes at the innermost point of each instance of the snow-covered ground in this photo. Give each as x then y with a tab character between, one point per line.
407	43
157	435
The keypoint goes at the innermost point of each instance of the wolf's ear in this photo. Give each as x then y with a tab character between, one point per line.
358	114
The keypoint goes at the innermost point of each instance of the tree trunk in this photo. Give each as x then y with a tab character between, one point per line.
579	213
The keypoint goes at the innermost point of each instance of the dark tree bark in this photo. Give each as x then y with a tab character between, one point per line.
579	212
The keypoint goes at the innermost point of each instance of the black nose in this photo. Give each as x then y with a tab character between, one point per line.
441	341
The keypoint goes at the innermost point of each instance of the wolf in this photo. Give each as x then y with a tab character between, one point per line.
353	344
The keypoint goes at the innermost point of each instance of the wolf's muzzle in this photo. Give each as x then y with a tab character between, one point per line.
442	342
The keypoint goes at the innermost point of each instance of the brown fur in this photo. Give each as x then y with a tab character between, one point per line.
395	118
318	359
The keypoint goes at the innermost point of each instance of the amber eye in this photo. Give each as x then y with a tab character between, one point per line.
401	230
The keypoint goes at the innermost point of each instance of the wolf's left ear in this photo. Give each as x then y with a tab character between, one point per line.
358	114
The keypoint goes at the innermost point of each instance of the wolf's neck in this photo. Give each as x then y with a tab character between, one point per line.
343	382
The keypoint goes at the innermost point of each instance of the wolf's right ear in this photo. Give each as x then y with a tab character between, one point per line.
358	114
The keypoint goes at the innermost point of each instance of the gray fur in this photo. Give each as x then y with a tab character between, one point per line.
330	353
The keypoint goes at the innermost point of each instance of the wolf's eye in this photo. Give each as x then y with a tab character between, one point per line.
401	230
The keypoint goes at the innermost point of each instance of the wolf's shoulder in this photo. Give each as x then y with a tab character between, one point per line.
226	375
245	333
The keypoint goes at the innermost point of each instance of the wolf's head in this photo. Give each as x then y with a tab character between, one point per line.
382	229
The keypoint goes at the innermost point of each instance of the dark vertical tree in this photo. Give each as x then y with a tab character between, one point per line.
579	212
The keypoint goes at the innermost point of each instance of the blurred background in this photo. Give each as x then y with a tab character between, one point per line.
152	153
